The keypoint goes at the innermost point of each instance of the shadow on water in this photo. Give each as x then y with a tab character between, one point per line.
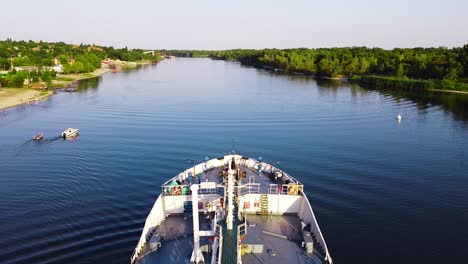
25	146
330	83
92	83
450	102
49	140
455	103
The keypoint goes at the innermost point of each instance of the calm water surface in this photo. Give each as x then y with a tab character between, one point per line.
383	192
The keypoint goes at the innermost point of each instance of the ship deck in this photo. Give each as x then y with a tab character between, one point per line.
214	175
280	237
269	238
176	234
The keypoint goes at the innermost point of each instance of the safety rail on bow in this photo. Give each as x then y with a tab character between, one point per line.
155	217
241	233
249	188
185	190
286	189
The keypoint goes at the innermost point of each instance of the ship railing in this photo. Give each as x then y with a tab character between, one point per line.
286	189
307	215
241	233
175	190
184	189
218	190
248	188
273	189
219	234
292	179
153	220
292	189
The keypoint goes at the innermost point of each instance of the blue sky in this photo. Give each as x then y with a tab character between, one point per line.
209	24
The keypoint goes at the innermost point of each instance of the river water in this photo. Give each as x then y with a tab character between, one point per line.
382	191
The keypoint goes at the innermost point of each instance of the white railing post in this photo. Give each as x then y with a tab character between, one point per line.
197	256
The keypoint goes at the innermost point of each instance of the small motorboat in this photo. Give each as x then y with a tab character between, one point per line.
38	137
398	117
70	132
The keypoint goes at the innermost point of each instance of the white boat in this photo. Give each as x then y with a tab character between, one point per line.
232	209
70	132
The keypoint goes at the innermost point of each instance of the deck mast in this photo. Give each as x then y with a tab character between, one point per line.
230	188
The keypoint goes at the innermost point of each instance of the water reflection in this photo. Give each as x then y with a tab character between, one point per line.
457	104
330	83
91	83
451	102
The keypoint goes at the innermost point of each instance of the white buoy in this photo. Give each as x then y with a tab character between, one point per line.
398	117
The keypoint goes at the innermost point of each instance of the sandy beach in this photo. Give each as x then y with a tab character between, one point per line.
10	97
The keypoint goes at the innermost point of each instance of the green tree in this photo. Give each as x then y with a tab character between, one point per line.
17	80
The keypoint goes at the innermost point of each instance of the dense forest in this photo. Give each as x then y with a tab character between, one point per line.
439	67
73	58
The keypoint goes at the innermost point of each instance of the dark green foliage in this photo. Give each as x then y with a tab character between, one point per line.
4	64
47	76
14	79
17	80
417	68
450	65
30	53
74	59
408	84
126	55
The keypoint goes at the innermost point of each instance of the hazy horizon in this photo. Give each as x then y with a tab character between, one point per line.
210	25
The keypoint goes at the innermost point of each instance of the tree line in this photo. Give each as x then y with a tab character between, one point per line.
80	58
414	63
31	53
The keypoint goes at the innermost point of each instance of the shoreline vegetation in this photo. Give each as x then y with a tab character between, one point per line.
11	96
32	71
384	82
439	69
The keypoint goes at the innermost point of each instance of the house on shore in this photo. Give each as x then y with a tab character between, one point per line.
26	68
56	61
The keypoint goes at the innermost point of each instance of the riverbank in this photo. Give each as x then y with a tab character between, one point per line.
11	97
431	68
410	84
65	80
386	82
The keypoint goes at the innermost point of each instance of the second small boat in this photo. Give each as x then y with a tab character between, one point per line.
38	137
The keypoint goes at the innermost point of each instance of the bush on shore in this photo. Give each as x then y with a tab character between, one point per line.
409	84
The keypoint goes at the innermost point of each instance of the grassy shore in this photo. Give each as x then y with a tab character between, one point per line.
410	84
64	80
10	97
